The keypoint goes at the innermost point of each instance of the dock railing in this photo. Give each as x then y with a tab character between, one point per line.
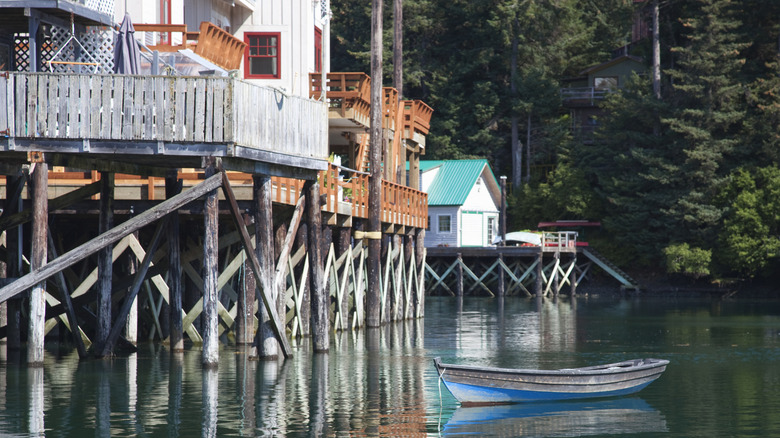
160	108
559	240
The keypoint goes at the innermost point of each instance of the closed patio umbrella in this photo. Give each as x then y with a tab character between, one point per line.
127	55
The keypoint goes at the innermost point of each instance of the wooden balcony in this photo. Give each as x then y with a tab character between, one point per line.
349	99
417	121
583	96
211	42
179	117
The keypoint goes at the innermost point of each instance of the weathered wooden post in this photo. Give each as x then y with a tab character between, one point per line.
173	186
556	278
501	285
539	270
459	270
267	345
13	241
302	243
40	201
373	314
573	274
344	245
319	297
245	307
105	262
210	354
419	249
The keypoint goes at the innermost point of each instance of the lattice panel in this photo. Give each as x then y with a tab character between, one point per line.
21	52
97	41
102	6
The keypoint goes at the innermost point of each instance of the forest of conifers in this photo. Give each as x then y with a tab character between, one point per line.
687	181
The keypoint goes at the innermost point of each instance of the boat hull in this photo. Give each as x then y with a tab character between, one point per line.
484	385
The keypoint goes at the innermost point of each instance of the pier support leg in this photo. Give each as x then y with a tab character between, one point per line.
539	269
302	241
459	270
105	262
419	249
131	322
210	270
319	296
173	187
556	279
573	275
501	284
408	285
246	309
13	245
40	182
343	244
267	345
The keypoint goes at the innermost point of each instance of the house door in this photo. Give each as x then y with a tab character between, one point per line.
472	230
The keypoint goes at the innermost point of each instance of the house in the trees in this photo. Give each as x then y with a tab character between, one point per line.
584	93
463	202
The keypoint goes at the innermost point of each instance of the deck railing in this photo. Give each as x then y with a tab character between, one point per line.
417	118
345	91
160	108
211	42
587	95
559	240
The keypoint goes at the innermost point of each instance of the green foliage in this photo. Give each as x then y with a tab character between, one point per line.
683	259
750	237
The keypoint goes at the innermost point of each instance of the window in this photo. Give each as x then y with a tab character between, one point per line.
444	223
317	49
491	230
605	83
428	224
262	60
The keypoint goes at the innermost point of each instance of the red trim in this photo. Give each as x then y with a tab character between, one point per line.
278	56
317	49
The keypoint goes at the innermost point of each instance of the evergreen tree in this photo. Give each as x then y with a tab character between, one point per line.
708	115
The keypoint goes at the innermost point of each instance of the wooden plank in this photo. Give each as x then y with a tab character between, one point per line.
139	100
219	112
189	114
88	248
178	106
84	109
42	84
199	126
289	239
127	109
20	98
255	264
73	106
97	112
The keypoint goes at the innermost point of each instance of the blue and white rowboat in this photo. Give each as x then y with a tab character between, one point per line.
486	385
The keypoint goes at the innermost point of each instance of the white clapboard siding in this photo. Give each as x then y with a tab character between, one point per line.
161	108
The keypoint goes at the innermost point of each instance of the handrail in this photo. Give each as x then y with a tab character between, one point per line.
346	91
417	118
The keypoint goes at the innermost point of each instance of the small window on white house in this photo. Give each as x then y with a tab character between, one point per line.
605	82
491	230
428	224
444	223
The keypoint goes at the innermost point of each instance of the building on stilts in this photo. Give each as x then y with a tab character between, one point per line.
191	199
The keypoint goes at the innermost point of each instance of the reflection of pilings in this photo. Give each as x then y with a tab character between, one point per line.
246	370
103	400
210	402
36	417
318	394
175	393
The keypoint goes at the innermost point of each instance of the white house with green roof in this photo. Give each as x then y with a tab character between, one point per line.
463	202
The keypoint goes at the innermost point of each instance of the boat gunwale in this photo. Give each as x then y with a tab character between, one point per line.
595	370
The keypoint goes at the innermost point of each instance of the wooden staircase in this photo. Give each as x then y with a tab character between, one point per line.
610	268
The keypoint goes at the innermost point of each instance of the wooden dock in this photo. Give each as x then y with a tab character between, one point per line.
183	209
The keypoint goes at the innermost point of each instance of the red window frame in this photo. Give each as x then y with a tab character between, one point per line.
247	57
317	49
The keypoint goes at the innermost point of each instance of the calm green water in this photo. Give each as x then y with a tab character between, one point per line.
723	380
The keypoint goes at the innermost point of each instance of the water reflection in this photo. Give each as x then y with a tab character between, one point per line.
604	417
381	382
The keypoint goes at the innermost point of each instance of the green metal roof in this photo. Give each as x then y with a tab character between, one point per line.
454	181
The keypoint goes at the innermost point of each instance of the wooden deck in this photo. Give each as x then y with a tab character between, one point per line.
181	118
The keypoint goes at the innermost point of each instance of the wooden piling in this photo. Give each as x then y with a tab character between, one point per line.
39	243
13	244
343	244
377	140
302	243
173	187
459	270
245	307
539	289
319	296
267	346
501	285
556	278
210	355
573	275
105	262
419	249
